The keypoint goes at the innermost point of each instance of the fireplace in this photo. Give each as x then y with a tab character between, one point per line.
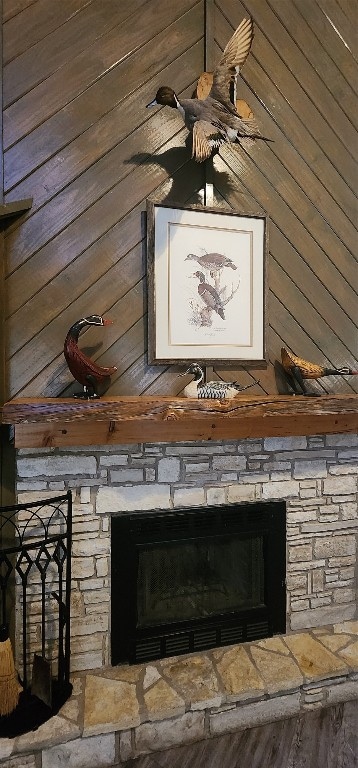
192	579
314	476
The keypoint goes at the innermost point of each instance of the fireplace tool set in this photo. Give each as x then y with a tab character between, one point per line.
35	585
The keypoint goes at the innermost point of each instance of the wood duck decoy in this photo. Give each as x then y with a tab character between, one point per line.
209	295
214	121
214	262
94	378
298	370
212	390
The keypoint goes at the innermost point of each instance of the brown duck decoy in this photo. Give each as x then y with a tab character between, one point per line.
94	378
299	369
214	121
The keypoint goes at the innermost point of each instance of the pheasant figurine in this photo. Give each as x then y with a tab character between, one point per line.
298	370
213	390
94	378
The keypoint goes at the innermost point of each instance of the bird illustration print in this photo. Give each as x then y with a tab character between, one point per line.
213	262
214	120
209	295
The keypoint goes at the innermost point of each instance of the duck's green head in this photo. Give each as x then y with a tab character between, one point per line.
164	96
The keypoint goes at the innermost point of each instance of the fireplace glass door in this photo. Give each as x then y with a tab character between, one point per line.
193	579
197	579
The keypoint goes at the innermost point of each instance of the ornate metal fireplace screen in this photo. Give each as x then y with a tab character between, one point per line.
35	578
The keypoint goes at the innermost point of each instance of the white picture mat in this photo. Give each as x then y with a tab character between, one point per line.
240	333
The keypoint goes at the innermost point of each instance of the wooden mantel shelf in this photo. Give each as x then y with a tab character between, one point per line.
60	422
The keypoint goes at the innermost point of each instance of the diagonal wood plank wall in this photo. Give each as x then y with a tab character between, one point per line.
77	137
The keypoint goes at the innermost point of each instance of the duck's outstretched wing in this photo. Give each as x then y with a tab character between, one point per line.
206	139
235	54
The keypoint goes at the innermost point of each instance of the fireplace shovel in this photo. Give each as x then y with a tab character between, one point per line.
41	682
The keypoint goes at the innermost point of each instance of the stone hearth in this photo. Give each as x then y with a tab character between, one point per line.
119	713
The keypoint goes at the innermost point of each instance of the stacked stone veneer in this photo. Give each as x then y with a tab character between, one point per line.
317	476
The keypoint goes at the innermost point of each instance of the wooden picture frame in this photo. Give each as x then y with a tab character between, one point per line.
207	285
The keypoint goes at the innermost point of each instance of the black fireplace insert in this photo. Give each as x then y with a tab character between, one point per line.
187	580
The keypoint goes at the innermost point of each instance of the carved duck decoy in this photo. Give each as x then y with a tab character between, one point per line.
212	390
299	369
94	378
214	121
214	262
209	295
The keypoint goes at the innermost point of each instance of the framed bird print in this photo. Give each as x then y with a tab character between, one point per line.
207	285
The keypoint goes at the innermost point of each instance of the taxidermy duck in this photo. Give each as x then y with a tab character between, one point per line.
214	121
209	295
94	378
298	370
214	262
213	390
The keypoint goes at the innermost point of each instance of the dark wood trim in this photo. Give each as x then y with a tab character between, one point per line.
16	208
60	422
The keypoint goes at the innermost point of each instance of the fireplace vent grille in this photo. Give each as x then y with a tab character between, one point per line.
197	640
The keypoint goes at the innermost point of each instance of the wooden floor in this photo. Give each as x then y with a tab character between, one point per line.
325	738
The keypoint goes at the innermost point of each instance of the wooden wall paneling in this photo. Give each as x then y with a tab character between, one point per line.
104	290
138	377
283	217
275	88
289	333
30	23
310	97
312	180
342	21
281	92
88	228
349	9
338	129
12	7
282	310
334	349
77	26
105	253
73	240
304	210
125	196
80	140
304	25
87	67
95	218
77	241
88	190
303	275
93	122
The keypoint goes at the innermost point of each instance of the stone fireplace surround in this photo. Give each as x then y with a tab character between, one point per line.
315	475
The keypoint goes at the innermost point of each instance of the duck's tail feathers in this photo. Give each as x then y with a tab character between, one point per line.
248	129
